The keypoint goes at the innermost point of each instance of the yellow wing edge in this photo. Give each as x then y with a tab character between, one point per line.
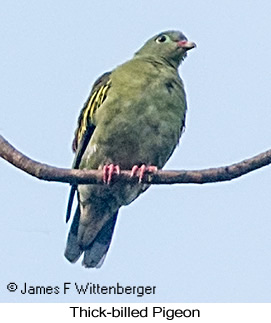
95	100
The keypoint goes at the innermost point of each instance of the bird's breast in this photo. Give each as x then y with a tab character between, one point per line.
140	120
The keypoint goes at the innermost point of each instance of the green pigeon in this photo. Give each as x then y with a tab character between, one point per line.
132	119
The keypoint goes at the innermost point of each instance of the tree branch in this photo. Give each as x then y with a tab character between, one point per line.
75	176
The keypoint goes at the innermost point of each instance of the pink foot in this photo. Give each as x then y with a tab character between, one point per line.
142	170
109	171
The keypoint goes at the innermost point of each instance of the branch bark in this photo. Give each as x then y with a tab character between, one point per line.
75	176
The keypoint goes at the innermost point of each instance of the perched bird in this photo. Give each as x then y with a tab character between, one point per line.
132	119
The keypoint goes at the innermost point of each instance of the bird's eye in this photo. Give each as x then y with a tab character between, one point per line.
162	39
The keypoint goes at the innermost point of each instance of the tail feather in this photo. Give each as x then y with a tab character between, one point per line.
73	250
95	253
70	202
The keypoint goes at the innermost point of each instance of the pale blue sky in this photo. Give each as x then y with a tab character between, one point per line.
208	243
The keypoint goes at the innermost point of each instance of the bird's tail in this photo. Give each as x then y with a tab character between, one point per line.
95	253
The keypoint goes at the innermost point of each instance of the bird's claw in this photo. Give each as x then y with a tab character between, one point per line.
109	171
142	170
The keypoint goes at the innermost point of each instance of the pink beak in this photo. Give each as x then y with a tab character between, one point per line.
186	44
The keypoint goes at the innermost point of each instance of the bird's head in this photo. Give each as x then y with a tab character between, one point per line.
171	46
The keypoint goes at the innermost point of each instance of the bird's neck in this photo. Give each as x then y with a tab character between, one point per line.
158	61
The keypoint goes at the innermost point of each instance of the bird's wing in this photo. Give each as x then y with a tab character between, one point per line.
86	126
97	96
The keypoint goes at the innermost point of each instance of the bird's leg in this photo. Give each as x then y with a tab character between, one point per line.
109	171
142	170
